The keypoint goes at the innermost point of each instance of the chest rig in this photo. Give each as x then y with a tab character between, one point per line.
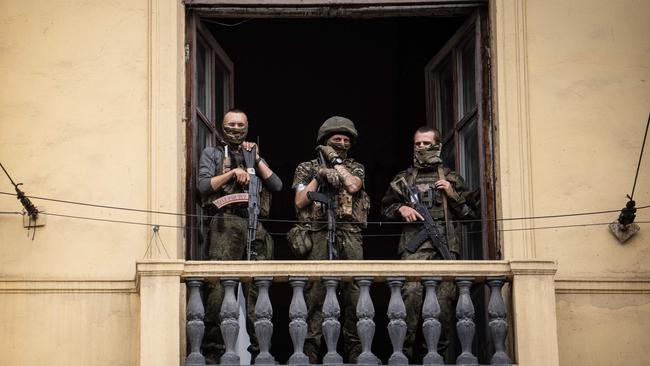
424	181
233	160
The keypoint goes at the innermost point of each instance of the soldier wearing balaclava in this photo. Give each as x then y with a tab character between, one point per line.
442	192
343	177
222	174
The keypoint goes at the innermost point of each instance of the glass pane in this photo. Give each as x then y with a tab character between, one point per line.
203	79
469	162
468	76
203	140
445	100
449	154
221	82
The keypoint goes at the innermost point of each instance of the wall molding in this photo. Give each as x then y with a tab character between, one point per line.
512	125
602	285
24	286
165	137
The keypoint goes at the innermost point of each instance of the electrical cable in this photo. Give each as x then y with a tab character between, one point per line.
227	24
640	157
380	223
366	235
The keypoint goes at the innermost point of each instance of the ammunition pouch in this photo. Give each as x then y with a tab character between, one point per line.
300	241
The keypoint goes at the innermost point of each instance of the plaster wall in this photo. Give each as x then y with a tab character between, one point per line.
69	328
582	104
90	111
74	122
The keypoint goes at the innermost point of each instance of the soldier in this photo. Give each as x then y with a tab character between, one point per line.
345	178
439	189
222	172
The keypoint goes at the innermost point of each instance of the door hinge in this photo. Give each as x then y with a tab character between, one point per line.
187	52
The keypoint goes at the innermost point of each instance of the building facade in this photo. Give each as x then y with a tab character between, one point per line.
94	109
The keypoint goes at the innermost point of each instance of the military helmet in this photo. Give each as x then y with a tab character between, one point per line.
336	125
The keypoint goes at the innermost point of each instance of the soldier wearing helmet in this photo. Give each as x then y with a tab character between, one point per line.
345	178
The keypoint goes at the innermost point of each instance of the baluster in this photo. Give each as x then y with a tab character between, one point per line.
465	325
298	324
195	326
431	326
263	323
365	324
229	321
498	324
331	325
397	324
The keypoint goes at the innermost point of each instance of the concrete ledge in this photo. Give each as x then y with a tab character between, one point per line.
282	270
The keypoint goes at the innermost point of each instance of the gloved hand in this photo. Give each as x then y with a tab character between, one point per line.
331	176
330	154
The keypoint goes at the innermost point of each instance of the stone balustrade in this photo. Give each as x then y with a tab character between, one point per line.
465	274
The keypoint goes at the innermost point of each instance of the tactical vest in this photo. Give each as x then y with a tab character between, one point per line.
236	160
432	198
349	207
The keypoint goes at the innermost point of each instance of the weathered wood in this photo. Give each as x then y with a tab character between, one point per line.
357	11
397	324
365	324
465	325
331	325
298	324
431	326
195	325
263	323
498	324
229	321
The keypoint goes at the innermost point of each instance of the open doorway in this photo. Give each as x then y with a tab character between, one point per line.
390	75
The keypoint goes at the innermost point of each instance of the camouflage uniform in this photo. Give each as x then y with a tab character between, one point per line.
351	207
394	198
228	231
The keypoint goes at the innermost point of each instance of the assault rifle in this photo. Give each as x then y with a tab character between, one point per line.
430	230
254	188
327	197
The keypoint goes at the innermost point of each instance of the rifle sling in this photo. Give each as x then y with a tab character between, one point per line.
441	175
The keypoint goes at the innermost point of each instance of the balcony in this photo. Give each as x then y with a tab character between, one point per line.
520	312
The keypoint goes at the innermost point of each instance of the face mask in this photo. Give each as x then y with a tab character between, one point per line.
340	148
234	136
424	157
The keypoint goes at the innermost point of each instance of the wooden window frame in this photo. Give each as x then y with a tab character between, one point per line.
194	30
476	26
305	9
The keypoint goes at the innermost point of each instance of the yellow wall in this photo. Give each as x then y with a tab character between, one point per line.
74	126
69	328
90	110
573	80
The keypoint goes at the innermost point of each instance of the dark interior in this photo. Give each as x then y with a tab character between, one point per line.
292	74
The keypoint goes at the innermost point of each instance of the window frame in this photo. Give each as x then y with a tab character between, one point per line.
475	27
196	31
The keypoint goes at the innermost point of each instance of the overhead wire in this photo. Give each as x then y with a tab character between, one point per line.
293	221
283	234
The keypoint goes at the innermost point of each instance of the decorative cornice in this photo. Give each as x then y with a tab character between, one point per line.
533	267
